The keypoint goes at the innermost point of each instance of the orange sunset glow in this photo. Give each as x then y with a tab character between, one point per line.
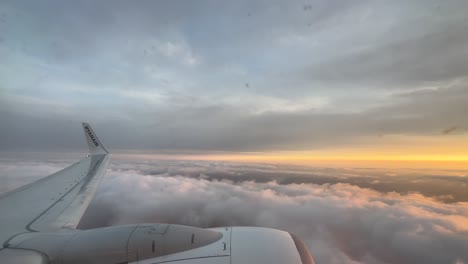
436	151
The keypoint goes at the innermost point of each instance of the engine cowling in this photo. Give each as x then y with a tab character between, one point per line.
263	245
157	243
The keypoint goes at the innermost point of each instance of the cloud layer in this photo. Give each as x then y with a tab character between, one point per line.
340	222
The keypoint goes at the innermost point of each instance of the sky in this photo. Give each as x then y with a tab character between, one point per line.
295	81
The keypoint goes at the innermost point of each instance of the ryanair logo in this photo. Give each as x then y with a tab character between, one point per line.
90	134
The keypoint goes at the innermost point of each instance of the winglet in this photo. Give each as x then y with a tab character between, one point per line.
95	146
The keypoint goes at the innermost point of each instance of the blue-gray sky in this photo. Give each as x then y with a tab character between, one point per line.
237	75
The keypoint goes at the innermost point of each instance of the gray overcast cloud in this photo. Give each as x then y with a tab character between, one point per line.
242	75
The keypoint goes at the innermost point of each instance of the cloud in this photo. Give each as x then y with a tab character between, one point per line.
340	222
174	74
441	54
178	51
17	169
449	130
198	123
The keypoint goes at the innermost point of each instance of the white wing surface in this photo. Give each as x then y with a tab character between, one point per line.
57	201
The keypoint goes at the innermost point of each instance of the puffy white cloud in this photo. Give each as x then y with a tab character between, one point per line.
339	221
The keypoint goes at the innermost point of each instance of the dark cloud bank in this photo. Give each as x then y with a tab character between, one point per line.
375	67
344	215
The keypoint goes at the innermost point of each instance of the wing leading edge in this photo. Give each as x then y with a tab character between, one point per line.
57	201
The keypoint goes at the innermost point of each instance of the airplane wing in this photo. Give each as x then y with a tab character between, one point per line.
57	201
37	224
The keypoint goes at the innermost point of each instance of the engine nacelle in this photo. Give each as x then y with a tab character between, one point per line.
157	243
